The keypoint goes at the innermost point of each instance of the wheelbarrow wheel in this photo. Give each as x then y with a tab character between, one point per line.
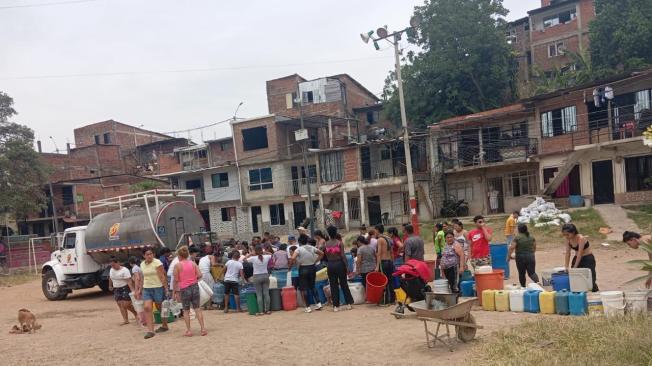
466	334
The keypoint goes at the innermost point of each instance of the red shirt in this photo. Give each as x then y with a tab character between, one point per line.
479	243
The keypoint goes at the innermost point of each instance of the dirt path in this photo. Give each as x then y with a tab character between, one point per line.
616	218
84	330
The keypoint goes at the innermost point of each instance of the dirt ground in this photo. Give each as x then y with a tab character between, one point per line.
85	330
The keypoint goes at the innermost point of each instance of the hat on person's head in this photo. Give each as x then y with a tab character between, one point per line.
291	237
301	228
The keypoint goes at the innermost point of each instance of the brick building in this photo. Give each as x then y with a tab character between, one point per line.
544	38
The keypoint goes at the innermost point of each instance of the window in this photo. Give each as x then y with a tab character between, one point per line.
193	184
290	100
97	139
385	152
69	241
642	103
228	214
276	214
559	121
254	138
461	190
107	138
331	167
201	154
638	172
560	18
354	208
225	145
556	49
308	97
522	183
67	196
511	36
260	179
373	117
220	180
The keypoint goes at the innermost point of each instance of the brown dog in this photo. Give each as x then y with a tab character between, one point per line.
27	321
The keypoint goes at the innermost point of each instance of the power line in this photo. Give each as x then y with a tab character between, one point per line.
46	4
186	70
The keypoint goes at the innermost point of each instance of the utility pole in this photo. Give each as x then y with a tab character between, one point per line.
54	210
396	37
305	167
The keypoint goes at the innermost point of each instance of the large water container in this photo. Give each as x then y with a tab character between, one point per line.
560	281
218	293
273	282
575	201
281	276
358	293
577	303
636	301
441	286
547	302
580	279
501	299
613	303
289	297
516	300
594	304
488	300
531	301
275	299
488	281
467	288
561	302
349	260
498	254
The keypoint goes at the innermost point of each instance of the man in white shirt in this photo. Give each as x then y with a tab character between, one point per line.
121	284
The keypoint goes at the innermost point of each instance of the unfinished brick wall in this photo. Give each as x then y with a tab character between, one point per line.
351	164
128	137
221	152
274	144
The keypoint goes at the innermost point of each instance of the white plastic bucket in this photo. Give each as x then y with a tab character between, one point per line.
139	305
516	302
358	293
441	286
273	282
580	279
484	269
594	302
636	301
613	303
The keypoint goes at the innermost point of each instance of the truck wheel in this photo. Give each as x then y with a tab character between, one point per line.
51	288
104	285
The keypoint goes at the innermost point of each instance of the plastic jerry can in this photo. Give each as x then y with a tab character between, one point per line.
547	302
289	298
488	300
467	288
531	301
502	300
516	301
561	302
577	304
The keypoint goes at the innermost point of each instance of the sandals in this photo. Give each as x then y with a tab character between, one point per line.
204	332
149	335
188	334
161	330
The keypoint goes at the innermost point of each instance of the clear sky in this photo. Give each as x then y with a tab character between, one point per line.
170	67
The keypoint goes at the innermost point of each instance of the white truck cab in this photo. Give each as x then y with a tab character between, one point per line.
70	267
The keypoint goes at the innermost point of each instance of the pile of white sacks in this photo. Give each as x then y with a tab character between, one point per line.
542	213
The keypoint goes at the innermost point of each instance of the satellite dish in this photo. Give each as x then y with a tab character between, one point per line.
415	21
366	36
382	32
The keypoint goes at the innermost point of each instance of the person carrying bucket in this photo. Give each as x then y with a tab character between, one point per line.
583	254
634	240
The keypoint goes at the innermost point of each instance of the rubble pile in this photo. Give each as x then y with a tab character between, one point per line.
542	213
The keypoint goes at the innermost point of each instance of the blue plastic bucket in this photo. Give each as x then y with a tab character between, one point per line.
498	253
560	281
467	288
281	276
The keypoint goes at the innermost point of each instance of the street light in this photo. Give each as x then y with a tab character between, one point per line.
394	38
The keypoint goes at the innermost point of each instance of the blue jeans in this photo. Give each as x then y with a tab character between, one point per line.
156	294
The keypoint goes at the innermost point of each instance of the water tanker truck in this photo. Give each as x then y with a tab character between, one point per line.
121	226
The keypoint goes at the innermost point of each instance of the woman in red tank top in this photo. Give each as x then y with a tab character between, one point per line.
186	288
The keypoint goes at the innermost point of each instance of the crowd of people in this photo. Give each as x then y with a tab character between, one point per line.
166	275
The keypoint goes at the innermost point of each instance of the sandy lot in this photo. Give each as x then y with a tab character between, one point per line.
84	330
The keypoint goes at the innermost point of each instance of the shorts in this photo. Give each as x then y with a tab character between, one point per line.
477	262
307	277
231	288
121	293
156	294
190	297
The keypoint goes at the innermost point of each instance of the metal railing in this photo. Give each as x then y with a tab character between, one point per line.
299	187
492	152
373	170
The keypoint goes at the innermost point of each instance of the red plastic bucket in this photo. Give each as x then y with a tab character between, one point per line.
376	282
489	281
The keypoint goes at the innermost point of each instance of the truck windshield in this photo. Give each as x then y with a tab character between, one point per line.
69	241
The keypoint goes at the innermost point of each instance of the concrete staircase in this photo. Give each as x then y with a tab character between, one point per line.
616	218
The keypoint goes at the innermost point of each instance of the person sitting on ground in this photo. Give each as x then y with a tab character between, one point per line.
634	241
337	269
234	273
479	246
121	284
307	256
583	254
525	246
155	290
186	288
260	261
365	259
413	246
280	258
510	227
452	261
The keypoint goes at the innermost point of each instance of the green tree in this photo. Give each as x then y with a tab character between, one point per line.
22	172
146	185
464	64
621	34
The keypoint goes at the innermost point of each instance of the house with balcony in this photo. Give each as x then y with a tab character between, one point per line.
487	159
592	143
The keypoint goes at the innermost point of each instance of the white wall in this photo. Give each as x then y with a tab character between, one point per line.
230	193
